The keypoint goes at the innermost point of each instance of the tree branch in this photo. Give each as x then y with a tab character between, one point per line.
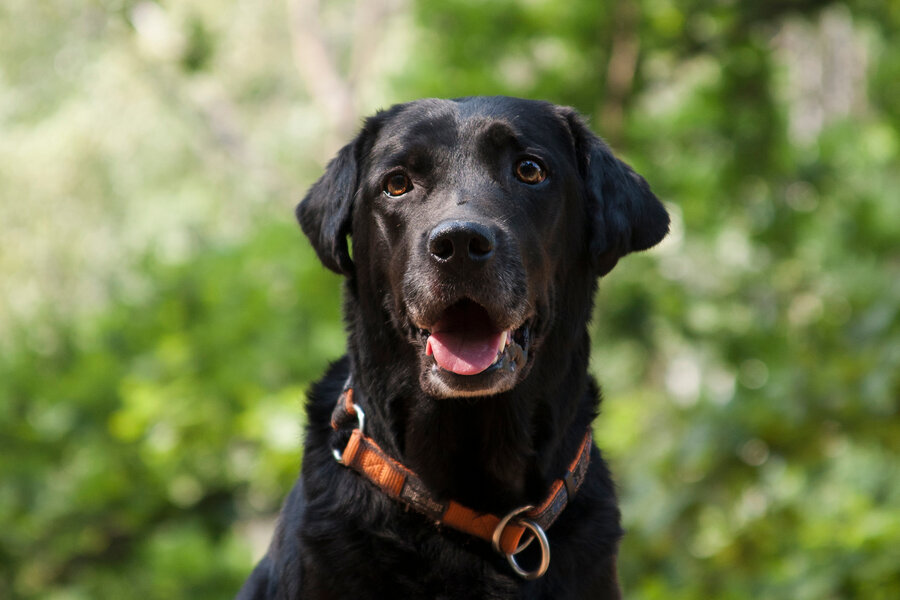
621	68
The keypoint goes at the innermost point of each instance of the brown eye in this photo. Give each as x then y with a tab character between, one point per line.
530	171
397	184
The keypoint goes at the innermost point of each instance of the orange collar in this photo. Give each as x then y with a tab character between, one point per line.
364	456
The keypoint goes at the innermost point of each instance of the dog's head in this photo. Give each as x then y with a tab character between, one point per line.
469	220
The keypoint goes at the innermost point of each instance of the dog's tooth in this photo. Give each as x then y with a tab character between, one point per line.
504	339
428	350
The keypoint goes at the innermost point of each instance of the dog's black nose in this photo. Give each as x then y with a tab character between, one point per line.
461	242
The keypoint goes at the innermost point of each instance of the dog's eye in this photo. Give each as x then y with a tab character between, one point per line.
397	184
530	171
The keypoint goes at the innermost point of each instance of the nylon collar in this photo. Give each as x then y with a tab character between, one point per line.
365	456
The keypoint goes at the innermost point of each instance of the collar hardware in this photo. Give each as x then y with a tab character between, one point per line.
536	533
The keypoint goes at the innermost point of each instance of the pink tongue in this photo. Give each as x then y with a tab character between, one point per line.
464	352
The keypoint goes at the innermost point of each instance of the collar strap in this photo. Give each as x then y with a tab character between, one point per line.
365	456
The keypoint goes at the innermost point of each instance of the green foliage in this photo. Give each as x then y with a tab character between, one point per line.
161	319
133	441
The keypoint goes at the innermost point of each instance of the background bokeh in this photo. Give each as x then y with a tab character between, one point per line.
161	315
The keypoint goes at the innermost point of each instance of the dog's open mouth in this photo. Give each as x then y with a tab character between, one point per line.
466	341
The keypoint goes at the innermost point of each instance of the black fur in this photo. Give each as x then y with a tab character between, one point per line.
492	441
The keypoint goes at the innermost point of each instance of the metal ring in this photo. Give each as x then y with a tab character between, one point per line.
360	416
501	526
360	423
545	553
537	532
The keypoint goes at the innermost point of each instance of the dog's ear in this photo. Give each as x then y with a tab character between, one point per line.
625	215
325	212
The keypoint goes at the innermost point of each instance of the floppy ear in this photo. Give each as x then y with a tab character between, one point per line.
625	215
325	211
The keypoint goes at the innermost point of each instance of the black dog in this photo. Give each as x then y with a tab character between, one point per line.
479	228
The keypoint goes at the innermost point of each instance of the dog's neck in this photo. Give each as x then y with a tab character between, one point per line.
492	453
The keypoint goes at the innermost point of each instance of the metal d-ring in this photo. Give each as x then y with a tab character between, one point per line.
537	532
360	424
360	417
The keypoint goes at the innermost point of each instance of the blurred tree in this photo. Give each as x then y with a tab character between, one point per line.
133	442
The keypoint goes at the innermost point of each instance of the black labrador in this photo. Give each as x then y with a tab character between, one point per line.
455	431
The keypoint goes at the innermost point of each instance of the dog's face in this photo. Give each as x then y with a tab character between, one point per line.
468	218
